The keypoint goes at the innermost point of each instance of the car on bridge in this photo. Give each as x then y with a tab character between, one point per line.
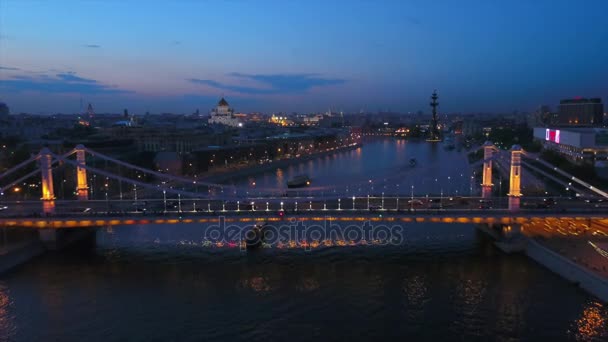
549	201
486	204
415	202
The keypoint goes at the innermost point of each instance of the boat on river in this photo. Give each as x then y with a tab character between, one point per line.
299	181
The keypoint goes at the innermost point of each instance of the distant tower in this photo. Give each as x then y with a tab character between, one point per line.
90	111
434	129
125	114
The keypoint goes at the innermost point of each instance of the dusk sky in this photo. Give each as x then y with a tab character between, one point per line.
177	56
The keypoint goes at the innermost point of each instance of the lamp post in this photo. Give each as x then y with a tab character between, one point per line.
449	185
165	200
382	205
412	199
339	204
353	202
179	203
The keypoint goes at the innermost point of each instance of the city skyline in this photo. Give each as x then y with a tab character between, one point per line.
308	56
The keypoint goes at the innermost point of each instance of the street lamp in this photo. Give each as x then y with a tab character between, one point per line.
412	199
165	199
353	202
382	205
339	204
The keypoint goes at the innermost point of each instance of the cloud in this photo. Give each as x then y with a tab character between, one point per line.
92	46
57	84
8	68
273	83
71	77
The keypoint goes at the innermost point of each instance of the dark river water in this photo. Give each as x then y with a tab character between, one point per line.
167	283
380	165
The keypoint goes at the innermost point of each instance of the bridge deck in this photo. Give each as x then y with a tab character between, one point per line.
385	216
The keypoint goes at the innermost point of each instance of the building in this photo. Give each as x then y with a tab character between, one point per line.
222	114
584	144
541	117
581	112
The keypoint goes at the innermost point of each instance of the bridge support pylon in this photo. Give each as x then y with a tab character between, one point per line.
46	176
486	183
515	178
82	188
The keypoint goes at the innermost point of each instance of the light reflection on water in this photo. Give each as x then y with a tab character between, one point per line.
592	323
442	281
385	162
167	282
7	322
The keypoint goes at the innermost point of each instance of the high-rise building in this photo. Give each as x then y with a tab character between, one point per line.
541	117
581	112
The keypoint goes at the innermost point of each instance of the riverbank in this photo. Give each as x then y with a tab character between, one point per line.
579	270
16	254
248	171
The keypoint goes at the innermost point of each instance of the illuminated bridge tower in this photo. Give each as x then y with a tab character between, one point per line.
434	135
82	188
515	178
46	176
486	182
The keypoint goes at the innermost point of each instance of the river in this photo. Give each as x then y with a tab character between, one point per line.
163	283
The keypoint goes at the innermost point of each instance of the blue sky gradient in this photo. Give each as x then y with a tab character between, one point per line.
263	55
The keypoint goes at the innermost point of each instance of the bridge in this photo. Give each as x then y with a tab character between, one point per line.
136	195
